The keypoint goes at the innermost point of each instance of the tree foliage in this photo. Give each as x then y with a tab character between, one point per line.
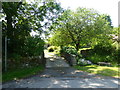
34	46
22	18
59	39
81	26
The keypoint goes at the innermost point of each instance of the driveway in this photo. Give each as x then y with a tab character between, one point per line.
58	74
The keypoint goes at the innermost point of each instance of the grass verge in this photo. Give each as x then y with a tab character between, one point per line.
21	73
102	70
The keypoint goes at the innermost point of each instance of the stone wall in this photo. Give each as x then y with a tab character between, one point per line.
69	58
26	62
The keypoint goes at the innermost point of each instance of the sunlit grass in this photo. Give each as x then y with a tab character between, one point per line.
102	70
84	48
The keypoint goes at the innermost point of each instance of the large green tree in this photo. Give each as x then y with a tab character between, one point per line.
81	26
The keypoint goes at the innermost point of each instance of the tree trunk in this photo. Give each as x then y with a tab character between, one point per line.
9	33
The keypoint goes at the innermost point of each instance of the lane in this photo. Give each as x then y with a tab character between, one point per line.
54	61
58	74
60	82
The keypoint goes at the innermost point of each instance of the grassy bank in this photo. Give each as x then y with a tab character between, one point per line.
21	73
102	70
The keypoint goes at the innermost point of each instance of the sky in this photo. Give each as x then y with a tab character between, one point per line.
109	7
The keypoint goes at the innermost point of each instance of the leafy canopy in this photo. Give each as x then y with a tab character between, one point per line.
80	27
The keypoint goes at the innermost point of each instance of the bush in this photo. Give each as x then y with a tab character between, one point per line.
34	46
69	50
104	52
95	58
16	57
112	58
118	53
116	56
104	49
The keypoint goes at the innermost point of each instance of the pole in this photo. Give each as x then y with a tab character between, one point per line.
6	53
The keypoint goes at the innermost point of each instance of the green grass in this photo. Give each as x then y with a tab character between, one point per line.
102	70
21	73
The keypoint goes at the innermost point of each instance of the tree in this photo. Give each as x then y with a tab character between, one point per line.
82	26
10	9
59	39
107	17
22	18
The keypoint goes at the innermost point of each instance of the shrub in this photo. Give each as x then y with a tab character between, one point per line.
34	46
16	57
116	56
69	50
95	58
104	49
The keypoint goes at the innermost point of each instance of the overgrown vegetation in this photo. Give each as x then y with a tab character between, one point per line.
69	50
104	52
22	18
25	52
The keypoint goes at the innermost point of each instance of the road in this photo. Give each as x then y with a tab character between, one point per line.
58	74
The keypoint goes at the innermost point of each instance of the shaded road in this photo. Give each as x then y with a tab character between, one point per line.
58	74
